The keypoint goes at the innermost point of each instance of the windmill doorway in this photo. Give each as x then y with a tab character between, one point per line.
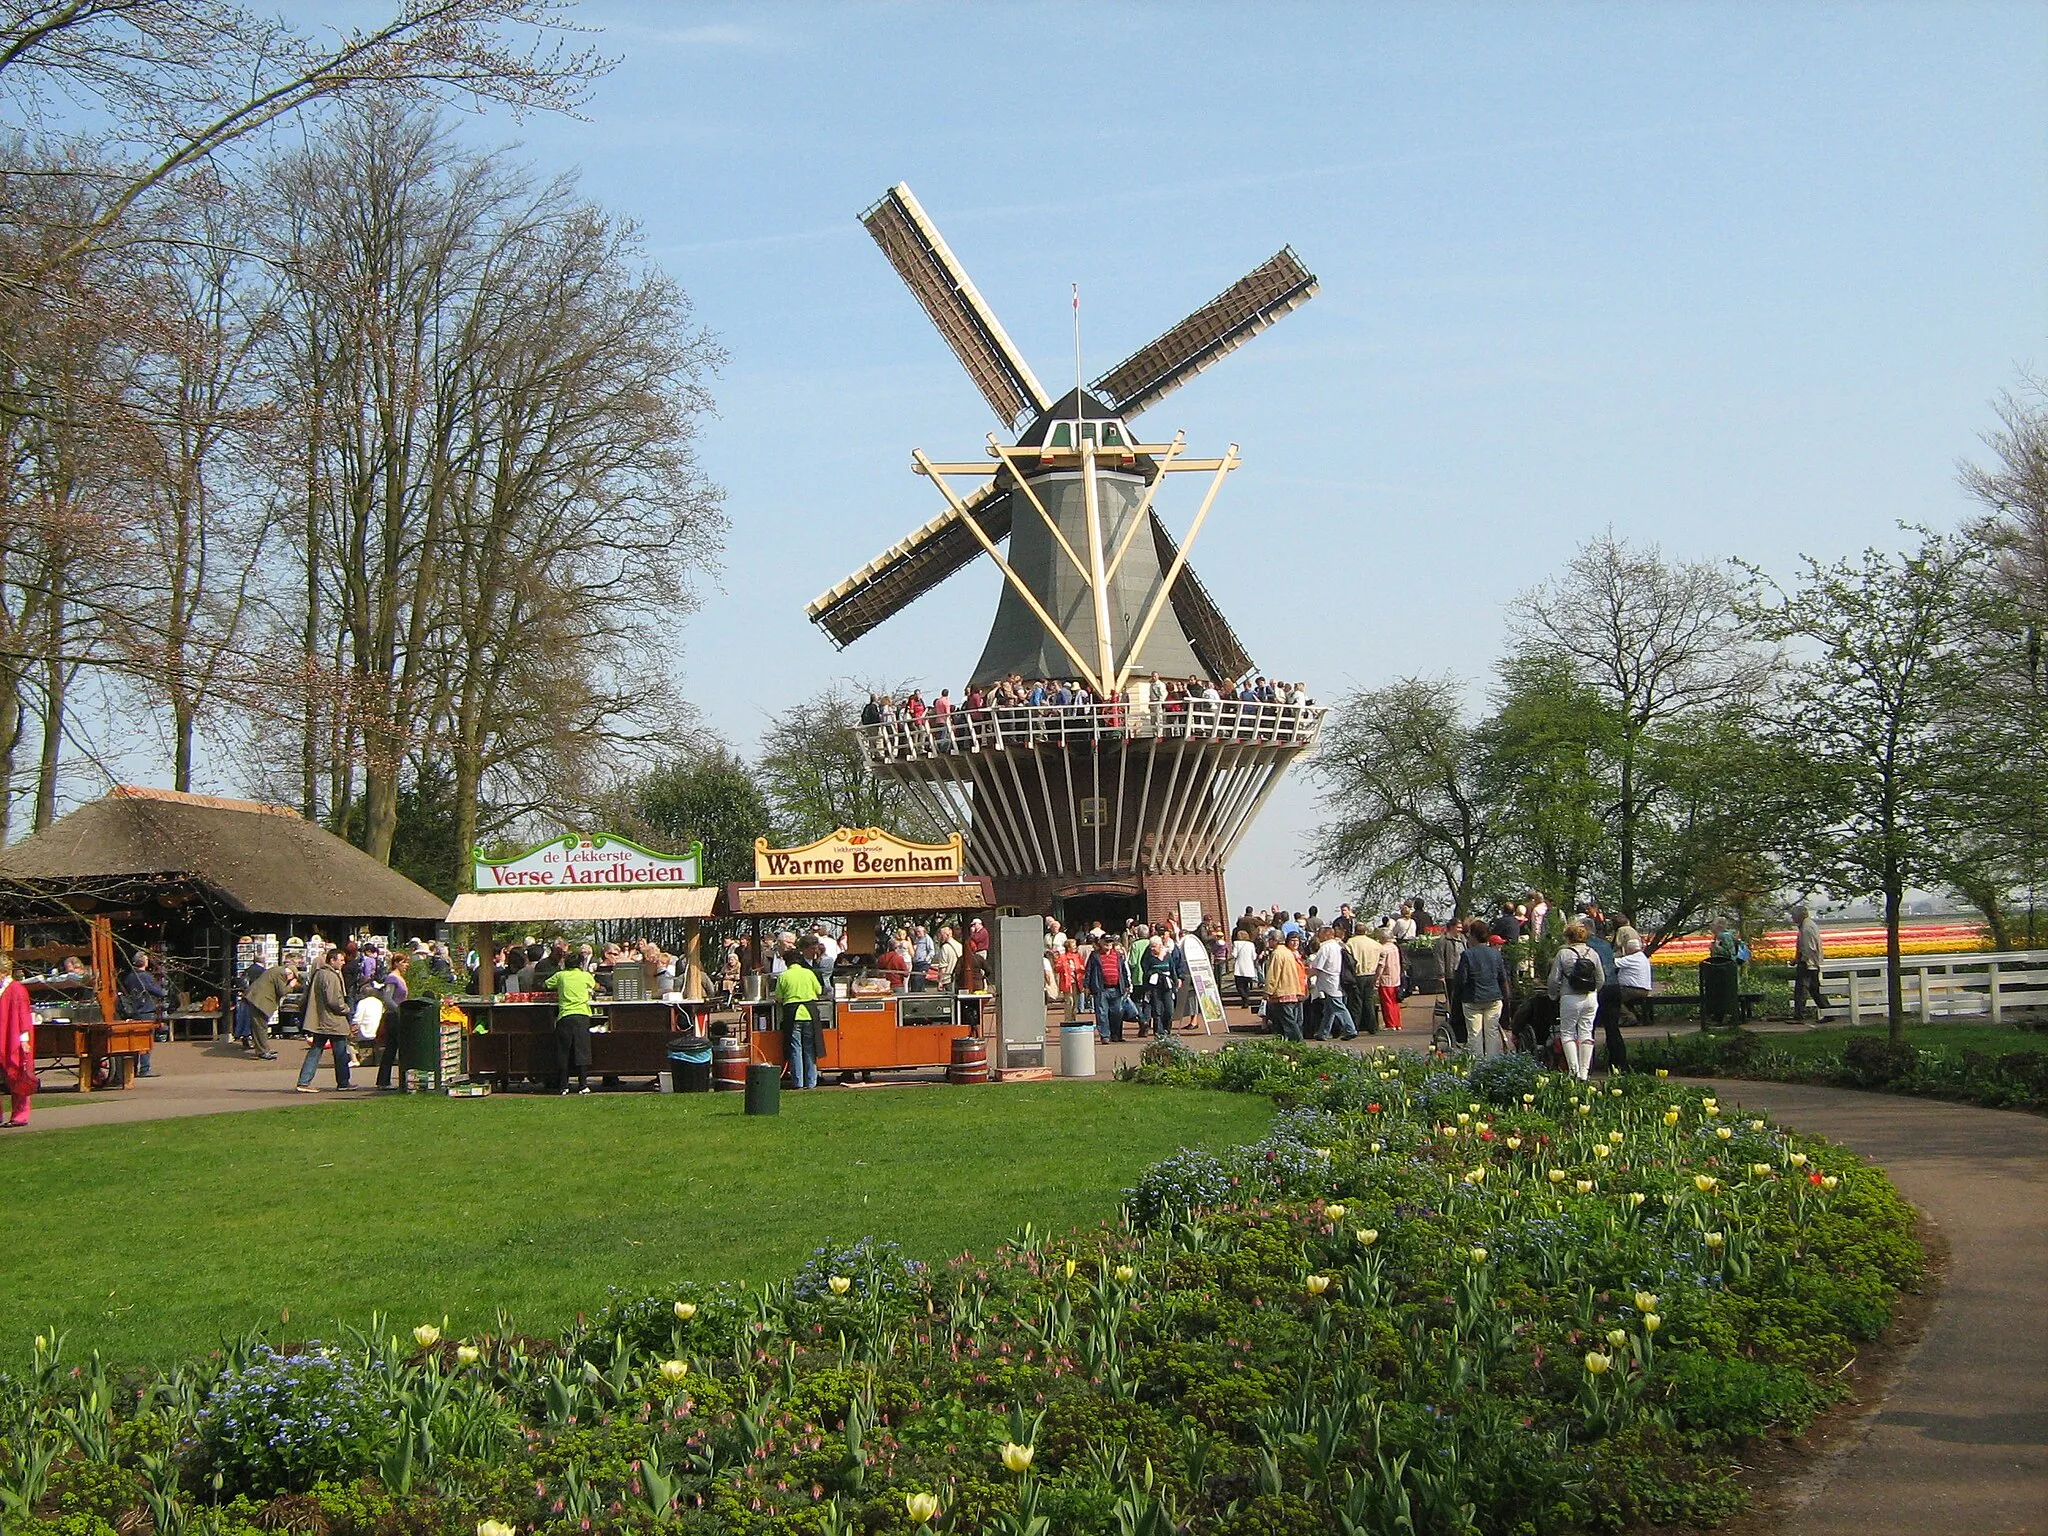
1111	908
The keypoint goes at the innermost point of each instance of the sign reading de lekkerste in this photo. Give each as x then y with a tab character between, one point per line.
860	853
590	863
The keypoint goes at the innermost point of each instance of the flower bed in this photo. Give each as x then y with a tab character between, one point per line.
1425	1300
1994	1079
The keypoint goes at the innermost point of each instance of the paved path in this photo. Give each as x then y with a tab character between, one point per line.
1960	1443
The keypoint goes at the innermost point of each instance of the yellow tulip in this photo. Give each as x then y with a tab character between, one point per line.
674	1370
1528	1098
1451	1132
1335	1212
1723	1132
1542	1078
1464	1119
1557	1175
1317	1284
1761	1170
1473	1107
1125	1274
1476	1176
1603	1151
466	1354
1597	1363
1704	1182
1652	1322
1379	1146
1797	1159
1663	1071
1636	1197
1071	1267
1671	1117
1829	1181
1575	1098
841	1285
1016	1457
426	1335
921	1507
685	1310
1710	1110
1715	1241
1756	1125
493	1528
1514	1143
1367	1236
42	1342
1614	1137
1478	1255
1645	1302
1321	1151
1585	1109
1584	1186
1617	1337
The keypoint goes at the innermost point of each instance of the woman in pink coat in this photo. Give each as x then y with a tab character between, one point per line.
17	1048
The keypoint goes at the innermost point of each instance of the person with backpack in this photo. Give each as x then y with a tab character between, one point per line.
1108	982
1575	982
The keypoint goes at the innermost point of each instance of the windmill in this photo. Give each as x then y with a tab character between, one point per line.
1101	809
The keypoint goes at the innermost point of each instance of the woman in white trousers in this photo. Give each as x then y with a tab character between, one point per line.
1575	981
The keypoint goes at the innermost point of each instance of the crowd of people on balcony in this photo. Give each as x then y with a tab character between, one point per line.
1014	712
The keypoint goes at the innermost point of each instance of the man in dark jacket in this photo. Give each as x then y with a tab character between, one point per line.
144	996
260	1001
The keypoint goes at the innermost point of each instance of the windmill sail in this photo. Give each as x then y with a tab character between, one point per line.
906	571
1218	328
912	243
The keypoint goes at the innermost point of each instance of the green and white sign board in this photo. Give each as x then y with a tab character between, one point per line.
598	862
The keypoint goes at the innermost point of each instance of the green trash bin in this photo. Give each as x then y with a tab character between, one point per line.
419	1040
1720	991
764	1088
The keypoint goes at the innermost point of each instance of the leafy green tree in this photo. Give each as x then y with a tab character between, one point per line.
1548	746
815	782
713	797
1660	642
1868	719
1403	780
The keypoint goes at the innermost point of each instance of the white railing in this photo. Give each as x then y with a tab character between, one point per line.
992	729
1979	985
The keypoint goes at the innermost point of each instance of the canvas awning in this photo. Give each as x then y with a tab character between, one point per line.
753	900
579	906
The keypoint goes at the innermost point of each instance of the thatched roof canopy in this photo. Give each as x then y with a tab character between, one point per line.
236	855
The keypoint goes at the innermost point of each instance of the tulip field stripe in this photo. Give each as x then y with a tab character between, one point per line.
152	1240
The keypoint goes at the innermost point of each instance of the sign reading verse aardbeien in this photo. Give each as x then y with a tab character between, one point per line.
590	863
862	853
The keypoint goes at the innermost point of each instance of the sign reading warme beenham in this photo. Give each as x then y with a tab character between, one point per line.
589	863
861	853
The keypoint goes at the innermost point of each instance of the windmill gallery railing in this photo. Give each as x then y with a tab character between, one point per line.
1094	790
989	729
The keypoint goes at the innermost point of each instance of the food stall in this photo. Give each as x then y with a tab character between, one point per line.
585	879
199	882
860	875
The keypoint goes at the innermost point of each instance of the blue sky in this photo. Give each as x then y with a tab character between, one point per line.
1735	279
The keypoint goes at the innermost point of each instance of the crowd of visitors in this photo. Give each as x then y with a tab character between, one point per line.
1014	711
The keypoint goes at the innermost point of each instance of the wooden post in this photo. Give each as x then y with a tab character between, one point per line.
1997	1008
1855	996
860	933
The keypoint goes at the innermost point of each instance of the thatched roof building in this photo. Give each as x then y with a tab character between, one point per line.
236	859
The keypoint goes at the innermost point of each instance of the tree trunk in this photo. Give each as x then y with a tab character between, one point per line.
467	773
181	766
1894	987
1627	808
54	680
11	715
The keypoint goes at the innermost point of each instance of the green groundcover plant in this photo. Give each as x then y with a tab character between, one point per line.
1428	1301
2012	1079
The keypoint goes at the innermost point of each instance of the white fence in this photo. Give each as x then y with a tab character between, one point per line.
991	729
1979	985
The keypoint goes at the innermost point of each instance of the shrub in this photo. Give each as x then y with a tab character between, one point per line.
1877	1063
1190	1180
1736	1398
1275	1514
1075	1424
875	1266
285	1422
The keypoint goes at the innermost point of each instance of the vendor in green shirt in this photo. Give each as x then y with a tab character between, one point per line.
572	986
797	990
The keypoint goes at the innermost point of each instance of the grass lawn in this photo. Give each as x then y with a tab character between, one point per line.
147	1241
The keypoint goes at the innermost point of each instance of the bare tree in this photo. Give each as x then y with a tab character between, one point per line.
168	84
1658	640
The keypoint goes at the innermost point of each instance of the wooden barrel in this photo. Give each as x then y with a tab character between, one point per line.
970	1061
729	1065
